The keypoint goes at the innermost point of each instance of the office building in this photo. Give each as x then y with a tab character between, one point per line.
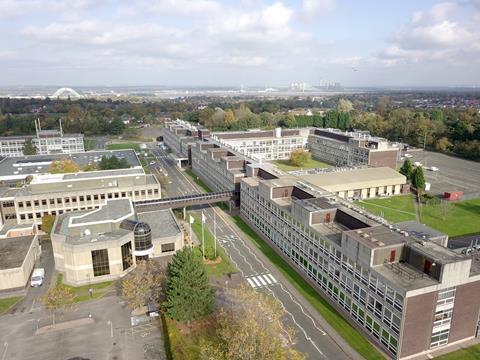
55	194
218	167
351	148
407	294
45	142
103	244
264	145
19	249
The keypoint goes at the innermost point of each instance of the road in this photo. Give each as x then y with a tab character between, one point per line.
311	338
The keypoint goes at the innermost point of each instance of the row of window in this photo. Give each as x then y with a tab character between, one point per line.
385	315
80	198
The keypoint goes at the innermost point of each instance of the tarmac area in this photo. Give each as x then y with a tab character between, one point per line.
454	174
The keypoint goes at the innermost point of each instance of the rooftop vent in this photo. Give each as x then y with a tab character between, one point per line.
87	232
380	243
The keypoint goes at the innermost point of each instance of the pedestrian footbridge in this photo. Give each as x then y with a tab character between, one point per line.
185	201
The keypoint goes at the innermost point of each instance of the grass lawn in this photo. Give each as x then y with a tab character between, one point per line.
395	209
461	218
311	164
470	353
225	266
7	303
81	292
124	146
356	340
89	144
197	180
187	343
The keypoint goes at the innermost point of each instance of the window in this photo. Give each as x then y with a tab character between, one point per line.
439	338
127	259
168	247
100	262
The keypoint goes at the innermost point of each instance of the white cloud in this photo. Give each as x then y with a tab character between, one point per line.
314	8
18	8
183	6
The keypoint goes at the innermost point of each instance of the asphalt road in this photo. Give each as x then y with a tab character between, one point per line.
311	338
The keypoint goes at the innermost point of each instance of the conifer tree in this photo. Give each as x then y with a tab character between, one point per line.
418	178
407	169
189	295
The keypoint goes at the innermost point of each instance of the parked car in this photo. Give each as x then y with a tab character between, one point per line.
408	156
37	277
467	251
152	162
417	163
434	168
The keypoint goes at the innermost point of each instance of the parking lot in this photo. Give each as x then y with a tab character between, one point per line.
454	174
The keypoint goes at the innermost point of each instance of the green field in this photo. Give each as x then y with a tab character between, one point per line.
124	146
7	303
394	209
82	293
311	164
356	340
89	144
225	266
462	217
470	353
197	180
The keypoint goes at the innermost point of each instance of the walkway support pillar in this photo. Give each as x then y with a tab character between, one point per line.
184	213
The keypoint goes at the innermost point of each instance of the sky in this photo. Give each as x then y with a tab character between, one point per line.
242	42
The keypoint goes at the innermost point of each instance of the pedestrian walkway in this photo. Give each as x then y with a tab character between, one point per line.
261	280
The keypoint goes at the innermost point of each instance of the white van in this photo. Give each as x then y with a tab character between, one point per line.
37	277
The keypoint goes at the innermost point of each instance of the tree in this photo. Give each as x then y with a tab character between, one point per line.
229	118
64	166
29	148
250	327
299	157
344	106
116	126
188	293
418	178
112	163
47	223
57	298
143	285
407	169
443	144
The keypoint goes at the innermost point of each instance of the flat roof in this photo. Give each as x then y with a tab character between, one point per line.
20	167
113	211
162	223
14	250
376	236
355	179
414	228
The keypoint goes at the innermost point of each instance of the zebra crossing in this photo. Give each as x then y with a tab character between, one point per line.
262	280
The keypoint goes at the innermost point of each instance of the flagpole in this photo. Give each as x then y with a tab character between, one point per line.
215	233
203	236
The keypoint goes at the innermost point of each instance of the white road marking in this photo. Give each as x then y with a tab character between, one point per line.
267	279
271	277
262	281
251	283
256	281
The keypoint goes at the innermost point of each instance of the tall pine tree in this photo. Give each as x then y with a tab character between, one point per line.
188	294
418	178
407	169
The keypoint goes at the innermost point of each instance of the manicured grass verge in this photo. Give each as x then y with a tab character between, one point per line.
81	292
461	217
395	209
197	180
185	343
470	353
123	146
7	303
89	144
310	164
222	268
352	336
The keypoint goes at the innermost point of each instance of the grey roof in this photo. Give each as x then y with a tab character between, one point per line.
5	228
40	164
162	223
414	228
112	211
14	250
